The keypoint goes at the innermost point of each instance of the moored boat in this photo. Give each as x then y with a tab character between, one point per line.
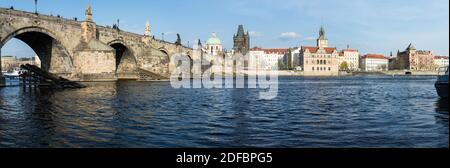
442	83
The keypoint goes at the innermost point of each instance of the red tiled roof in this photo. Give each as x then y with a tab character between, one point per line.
256	49
271	50
440	57
374	56
276	50
329	50
349	50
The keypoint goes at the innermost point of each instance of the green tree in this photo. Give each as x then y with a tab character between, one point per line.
281	65
343	66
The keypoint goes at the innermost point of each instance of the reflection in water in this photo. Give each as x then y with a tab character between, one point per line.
309	112
442	112
442	106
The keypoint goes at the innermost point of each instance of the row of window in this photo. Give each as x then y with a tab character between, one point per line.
321	56
320	62
321	68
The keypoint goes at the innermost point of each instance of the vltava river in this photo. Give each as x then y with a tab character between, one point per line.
372	111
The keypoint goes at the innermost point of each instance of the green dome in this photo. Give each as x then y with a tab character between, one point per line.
214	40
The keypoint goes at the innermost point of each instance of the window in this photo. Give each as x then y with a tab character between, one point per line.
329	68
313	68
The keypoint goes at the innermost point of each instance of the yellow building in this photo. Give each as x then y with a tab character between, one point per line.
8	63
320	60
417	60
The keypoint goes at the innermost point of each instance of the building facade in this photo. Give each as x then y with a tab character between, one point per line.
268	59
416	60
8	63
320	60
11	63
374	62
349	59
241	41
293	58
441	61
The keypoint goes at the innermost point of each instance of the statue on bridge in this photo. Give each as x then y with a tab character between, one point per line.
178	42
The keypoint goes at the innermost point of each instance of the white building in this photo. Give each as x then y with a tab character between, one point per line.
267	59
214	45
374	62
351	58
294	58
441	61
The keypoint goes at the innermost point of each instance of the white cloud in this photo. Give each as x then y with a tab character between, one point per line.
289	36
255	34
309	39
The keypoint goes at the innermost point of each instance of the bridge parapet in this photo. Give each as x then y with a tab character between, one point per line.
40	16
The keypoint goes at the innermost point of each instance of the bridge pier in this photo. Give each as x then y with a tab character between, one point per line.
2	78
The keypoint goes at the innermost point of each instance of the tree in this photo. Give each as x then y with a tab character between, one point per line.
343	66
281	65
383	67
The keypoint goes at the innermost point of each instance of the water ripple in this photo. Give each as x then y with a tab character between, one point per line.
370	111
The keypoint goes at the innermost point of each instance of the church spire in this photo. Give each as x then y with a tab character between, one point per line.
322	33
322	41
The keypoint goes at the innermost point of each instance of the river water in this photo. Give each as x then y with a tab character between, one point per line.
365	111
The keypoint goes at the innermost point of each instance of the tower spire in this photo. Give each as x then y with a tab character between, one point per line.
322	41
88	13
322	32
148	31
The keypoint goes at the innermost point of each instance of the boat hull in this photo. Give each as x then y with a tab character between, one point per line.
442	89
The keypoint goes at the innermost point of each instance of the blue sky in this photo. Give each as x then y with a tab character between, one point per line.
372	26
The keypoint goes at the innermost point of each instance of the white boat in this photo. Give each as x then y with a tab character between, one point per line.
442	83
13	74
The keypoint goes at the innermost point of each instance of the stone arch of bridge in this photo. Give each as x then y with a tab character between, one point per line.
53	54
172	65
126	62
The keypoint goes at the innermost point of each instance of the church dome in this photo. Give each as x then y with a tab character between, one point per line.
214	40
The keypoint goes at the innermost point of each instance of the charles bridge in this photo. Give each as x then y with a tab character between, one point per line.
84	51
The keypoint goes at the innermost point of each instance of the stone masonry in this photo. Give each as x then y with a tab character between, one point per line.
84	51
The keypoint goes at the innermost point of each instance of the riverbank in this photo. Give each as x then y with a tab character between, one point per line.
389	73
415	73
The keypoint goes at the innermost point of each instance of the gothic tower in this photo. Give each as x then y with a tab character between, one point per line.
241	41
